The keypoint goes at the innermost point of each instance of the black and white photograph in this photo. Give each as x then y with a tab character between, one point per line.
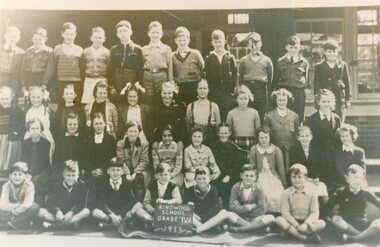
191	123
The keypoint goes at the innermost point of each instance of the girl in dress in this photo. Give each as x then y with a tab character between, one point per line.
12	124
267	159
170	152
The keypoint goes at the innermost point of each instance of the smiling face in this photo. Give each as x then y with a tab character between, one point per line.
97	39
197	138
155	34
72	125
293	50
264	139
248	178
124	34
218	44
69	95
38	41
115	172
355	180
133	98
167	137
182	41
101	94
6	98
255	46
70	177
345	138
282	101
133	132
98	124
202	181
224	134
305	137
36	97
297	180
69	35
17	177
164	176
167	96
331	55
325	103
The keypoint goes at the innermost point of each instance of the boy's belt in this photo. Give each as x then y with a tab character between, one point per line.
153	71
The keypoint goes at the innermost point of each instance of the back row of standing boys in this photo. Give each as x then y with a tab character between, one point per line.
145	128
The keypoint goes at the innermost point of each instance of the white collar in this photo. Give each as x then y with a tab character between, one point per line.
136	107
118	182
241	187
323	115
99	138
349	148
69	189
193	150
162	187
267	150
295	58
159	45
68	134
282	113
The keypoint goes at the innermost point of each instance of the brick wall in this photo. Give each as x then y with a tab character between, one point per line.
369	134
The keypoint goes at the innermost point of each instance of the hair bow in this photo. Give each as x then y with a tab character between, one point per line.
129	86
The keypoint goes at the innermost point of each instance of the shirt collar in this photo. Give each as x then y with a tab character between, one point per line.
161	145
162	187
295	58
199	193
136	107
44	48
282	113
188	49
241	187
267	150
323	115
118	182
259	55
159	45
305	189
68	134
349	148
193	150
216	54
99	137
69	189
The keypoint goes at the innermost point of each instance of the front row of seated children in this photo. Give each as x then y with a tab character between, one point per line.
70	202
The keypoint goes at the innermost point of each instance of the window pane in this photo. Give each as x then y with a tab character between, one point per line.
367	52
367	65
368	81
367	17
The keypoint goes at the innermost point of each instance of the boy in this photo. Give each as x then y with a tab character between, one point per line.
187	66
17	207
352	201
10	59
158	64
35	68
299	208
292	74
96	59
332	74
126	61
248	201
114	198
220	69
256	72
67	200
68	62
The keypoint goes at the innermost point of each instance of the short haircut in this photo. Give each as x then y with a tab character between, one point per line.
72	115
355	168
100	84
298	169
330	45
133	123
115	162
98	115
98	30
8	90
224	125
353	130
293	40
124	23
32	121
36	87
243	89
19	167
68	25
69	86
218	35
155	24
162	167
40	31
13	29
304	128
324	92
71	166
197	129
182	31
202	171
282	91
248	167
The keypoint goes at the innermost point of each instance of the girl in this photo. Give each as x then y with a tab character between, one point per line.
133	152
324	125
170	152
102	105
199	155
267	159
39	109
68	107
133	110
227	156
283	124
36	153
348	153
161	190
208	211
100	148
70	146
169	112
12	124
244	121
203	113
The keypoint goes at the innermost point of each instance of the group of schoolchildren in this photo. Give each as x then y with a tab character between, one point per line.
137	126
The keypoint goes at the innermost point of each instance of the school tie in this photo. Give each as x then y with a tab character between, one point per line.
114	185
291	60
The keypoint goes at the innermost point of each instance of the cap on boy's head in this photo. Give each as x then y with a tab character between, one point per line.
115	162
255	37
124	23
202	171
169	85
19	167
218	35
182	31
330	45
155	24
71	166
354	168
293	40
40	31
298	169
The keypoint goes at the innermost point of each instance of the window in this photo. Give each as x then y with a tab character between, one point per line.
238	18
313	33
368	51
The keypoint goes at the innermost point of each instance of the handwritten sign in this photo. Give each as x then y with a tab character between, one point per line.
173	219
